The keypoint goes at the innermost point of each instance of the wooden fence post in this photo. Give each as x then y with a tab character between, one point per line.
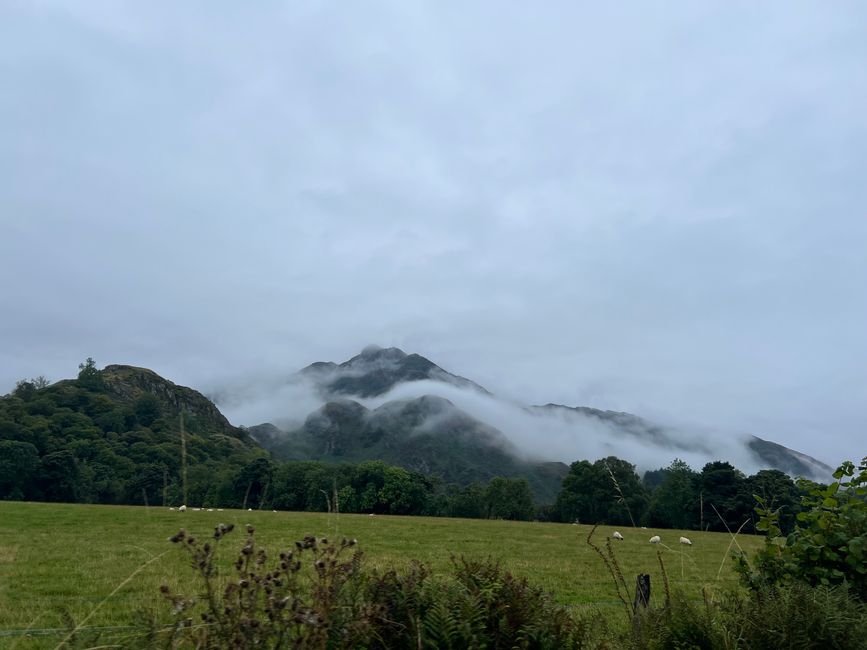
642	591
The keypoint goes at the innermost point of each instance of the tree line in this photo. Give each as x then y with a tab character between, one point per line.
719	497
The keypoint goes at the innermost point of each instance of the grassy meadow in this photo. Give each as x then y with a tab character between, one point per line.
59	562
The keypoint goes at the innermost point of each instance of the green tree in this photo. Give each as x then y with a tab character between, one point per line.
778	490
606	492
24	390
253	481
147	408
720	487
89	376
509	499
19	462
59	477
675	503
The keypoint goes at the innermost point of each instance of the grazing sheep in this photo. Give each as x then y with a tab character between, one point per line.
686	540
617	535
182	508
210	510
656	539
172	508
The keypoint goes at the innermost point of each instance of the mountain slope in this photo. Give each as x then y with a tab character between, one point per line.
769	454
427	435
451	445
128	383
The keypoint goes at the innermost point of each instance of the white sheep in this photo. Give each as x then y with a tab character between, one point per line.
616	535
656	539
182	508
686	540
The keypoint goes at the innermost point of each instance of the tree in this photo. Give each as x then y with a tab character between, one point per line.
147	408
40	382
19	462
24	390
89	377
675	503
253	482
721	485
59	477
778	490
509	499
467	502
606	492
575	501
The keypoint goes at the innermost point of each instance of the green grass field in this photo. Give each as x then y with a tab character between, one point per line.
57	558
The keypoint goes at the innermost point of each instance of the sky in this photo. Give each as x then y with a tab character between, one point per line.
655	208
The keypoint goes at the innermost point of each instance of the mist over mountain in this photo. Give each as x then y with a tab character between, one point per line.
427	434
404	409
376	370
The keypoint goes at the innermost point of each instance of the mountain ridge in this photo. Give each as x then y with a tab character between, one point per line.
376	371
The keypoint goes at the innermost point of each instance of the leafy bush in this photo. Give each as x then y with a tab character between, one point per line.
829	543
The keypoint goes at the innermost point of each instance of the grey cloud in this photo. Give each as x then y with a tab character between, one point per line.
645	210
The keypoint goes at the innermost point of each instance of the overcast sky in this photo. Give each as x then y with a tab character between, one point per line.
658	208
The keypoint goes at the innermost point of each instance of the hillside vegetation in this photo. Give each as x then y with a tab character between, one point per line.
114	436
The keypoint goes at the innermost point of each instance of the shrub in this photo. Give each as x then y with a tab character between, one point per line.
317	595
273	606
829	543
681	623
795	616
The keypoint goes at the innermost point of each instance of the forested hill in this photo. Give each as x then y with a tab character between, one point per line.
114	436
428	435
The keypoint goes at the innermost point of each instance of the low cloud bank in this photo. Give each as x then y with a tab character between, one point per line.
552	434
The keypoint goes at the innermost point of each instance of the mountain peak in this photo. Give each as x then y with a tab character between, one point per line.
376	353
375	371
